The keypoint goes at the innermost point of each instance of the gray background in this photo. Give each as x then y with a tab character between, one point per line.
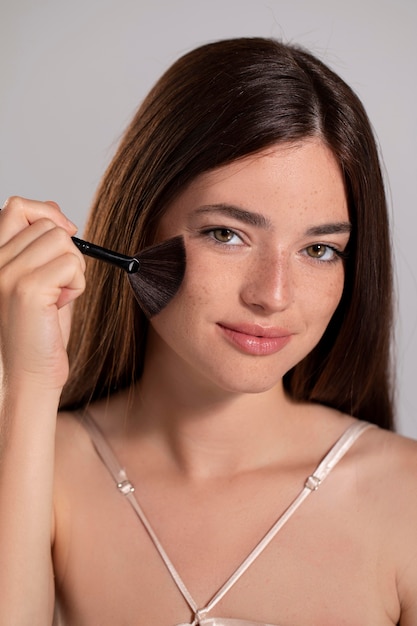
72	73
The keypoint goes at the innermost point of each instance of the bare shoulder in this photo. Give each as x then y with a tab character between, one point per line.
390	484
389	464
394	458
73	441
75	457
70	434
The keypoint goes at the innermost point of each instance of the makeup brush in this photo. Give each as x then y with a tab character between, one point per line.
155	273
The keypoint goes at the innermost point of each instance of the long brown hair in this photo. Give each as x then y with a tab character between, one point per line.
219	103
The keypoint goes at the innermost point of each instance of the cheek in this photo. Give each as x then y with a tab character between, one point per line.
327	298
189	306
188	324
196	292
319	294
208	281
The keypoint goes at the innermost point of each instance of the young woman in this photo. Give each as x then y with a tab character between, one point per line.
273	356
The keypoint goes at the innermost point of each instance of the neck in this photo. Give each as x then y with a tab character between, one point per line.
205	431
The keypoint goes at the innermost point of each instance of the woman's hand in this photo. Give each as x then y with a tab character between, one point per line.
41	273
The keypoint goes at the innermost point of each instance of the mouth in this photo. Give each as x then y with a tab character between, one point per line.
255	339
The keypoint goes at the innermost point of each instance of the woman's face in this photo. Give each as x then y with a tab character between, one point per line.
265	238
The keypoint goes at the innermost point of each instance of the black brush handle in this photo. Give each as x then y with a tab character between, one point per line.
128	263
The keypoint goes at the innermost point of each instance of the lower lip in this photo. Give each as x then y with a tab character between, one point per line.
257	346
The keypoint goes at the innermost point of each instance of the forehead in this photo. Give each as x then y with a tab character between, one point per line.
286	180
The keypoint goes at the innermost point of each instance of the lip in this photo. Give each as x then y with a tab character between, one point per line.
255	339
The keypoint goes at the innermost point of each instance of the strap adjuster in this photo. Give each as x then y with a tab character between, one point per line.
125	487
312	482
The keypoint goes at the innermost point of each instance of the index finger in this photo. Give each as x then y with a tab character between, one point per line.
18	213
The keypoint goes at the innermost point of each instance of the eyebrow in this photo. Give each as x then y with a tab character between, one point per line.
260	221
248	217
329	229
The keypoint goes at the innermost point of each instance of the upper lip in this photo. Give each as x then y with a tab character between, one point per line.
257	330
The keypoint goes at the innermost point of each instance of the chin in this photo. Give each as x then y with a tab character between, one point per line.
247	385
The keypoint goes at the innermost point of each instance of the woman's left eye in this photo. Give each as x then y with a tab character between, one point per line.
322	252
225	236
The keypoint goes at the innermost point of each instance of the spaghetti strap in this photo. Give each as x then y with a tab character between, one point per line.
126	488
311	484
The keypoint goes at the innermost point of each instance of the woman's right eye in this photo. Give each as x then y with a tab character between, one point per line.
224	236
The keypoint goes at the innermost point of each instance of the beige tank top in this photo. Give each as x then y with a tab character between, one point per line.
312	483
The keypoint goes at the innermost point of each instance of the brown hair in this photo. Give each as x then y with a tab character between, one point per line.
219	103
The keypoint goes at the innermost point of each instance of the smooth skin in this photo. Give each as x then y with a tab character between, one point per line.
214	447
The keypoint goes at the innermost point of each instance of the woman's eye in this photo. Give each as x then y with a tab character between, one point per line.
322	252
225	235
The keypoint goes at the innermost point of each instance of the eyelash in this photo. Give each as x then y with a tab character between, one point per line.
337	254
209	233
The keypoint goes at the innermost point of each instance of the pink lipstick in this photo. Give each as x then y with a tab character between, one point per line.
255	339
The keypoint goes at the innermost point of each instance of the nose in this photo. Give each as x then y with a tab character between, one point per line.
268	284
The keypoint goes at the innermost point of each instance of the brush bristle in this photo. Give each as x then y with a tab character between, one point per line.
160	275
